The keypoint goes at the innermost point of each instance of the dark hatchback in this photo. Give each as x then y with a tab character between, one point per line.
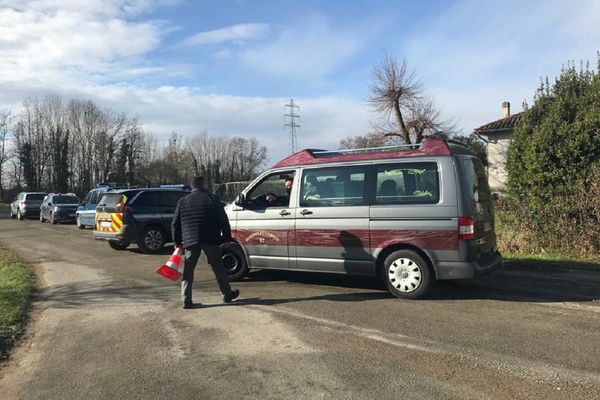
58	207
141	216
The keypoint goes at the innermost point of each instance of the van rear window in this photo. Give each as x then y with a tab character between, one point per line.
407	183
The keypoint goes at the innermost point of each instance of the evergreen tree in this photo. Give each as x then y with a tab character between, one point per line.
557	143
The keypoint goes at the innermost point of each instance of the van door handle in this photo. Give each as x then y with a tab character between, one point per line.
306	212
284	213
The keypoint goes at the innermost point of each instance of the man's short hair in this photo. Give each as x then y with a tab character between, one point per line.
289	179
198	182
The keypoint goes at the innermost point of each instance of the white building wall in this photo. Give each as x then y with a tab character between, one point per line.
496	152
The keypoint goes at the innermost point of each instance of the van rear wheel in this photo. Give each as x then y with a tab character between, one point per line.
407	274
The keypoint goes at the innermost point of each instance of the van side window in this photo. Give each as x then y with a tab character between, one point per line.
407	183
271	191
326	187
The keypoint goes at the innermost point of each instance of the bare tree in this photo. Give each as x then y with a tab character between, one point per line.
397	95
372	139
5	117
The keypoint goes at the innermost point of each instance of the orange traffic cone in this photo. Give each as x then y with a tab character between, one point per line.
169	269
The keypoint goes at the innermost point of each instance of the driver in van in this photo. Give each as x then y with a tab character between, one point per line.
274	200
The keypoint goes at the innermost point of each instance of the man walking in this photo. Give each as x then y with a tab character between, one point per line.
201	225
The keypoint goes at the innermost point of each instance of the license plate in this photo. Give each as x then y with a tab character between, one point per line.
105	224
104	216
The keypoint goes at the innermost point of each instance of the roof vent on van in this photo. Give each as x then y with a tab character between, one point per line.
429	147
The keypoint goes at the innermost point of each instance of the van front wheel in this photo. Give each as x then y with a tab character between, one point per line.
406	274
234	261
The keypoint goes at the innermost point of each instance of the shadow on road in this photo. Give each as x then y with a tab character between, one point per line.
521	284
100	294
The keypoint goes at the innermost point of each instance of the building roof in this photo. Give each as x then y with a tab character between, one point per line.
501	125
429	147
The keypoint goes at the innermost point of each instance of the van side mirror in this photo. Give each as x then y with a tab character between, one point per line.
240	200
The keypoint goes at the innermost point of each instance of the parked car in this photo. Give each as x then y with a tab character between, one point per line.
26	204
411	215
86	212
141	216
59	207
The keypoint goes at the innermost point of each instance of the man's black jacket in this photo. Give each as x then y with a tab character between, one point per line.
200	219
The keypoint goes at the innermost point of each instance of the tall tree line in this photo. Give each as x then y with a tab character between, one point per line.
69	146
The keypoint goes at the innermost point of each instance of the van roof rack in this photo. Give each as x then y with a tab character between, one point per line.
428	147
321	153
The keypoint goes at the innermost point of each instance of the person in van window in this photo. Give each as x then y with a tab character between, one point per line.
201	225
282	201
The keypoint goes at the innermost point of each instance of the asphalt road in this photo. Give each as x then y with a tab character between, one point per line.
105	326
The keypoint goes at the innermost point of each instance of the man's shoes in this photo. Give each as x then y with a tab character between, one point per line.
188	304
227	298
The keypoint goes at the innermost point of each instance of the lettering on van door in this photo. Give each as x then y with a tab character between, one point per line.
263	237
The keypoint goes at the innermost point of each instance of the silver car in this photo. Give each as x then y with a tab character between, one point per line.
410	215
26	204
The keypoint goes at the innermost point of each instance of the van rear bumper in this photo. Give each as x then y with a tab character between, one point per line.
467	270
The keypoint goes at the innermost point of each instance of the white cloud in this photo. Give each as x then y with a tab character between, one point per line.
99	54
234	33
53	45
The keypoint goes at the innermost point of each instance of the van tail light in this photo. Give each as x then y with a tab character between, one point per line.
466	228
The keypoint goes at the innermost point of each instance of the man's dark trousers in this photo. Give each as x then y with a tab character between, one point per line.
213	256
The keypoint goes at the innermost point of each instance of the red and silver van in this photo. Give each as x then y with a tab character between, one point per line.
410	214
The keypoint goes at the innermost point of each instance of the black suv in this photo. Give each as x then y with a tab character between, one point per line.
141	216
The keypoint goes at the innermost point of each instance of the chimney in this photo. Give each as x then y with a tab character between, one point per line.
505	109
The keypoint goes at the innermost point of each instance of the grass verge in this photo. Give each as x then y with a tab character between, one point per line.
549	261
16	286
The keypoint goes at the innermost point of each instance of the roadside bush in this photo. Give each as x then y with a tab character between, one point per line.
557	143
568	223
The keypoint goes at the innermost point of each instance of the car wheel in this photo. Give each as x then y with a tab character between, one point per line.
42	219
53	221
118	245
152	240
20	216
234	261
79	224
406	274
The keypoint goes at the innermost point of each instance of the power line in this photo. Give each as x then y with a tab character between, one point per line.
289	121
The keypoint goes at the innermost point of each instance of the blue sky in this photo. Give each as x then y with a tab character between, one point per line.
228	67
